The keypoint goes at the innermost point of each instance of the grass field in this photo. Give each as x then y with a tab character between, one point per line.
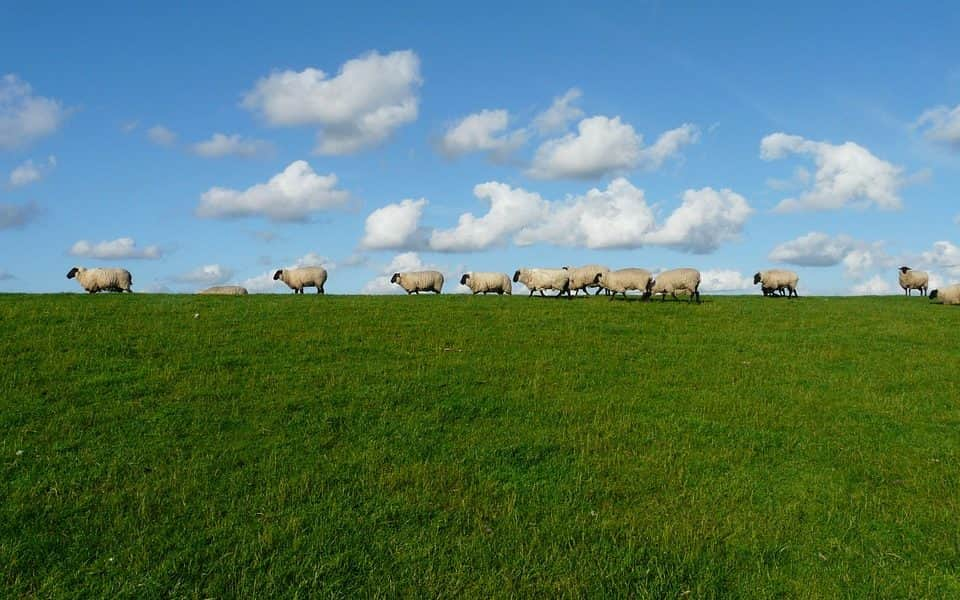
302	446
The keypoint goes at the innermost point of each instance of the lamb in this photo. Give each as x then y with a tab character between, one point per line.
774	280
913	280
948	295
415	282
297	279
543	279
225	290
481	283
102	280
585	277
621	280
677	280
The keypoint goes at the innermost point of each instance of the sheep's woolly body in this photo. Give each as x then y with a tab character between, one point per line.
913	280
102	280
538	280
297	279
585	277
415	282
622	280
483	283
677	280
947	295
776	280
225	290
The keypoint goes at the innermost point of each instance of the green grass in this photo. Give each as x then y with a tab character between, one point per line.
468	446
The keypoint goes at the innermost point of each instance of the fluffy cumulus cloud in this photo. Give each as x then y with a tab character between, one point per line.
29	172
705	219
161	136
206	275
360	107
292	195
942	125
510	210
560	114
875	286
15	216
221	145
847	175
115	249
485	131
395	226
944	256
818	249
724	280
25	117
602	146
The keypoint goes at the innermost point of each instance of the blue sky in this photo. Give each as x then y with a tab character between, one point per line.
816	137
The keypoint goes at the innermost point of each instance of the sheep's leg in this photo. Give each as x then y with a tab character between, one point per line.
531	294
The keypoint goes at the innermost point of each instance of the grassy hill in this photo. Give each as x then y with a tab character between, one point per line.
469	446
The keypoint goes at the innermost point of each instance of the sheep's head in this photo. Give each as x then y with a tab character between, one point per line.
516	276
566	268
395	278
598	277
904	269
756	278
278	274
463	280
933	294
73	272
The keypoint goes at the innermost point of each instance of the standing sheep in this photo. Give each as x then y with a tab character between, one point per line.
225	290
543	279
777	280
482	283
585	277
102	280
297	279
677	280
913	280
948	295
415	282
621	280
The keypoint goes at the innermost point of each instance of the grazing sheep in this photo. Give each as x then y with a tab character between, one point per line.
297	279
948	295
419	281
585	277
777	280
102	280
482	283
225	290
543	279
621	280
677	280
913	280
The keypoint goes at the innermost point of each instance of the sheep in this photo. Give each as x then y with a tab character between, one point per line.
481	283
225	290
913	280
677	280
297	279
415	282
777	280
543	279
948	295
621	280
585	277
102	280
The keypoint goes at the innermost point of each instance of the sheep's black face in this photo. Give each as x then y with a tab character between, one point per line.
516	276
72	273
597	278
933	294
566	268
278	275
463	280
904	269
395	278
756	278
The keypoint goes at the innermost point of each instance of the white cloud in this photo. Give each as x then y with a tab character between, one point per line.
510	210
602	146
28	172
161	136
875	286
15	216
206	275
818	249
704	220
942	125
312	259
560	114
370	97
25	117
114	249
130	126
262	283
944	256
847	175
724	280
221	145
395	226
485	131
289	196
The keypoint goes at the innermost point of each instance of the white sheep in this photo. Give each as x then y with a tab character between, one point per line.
225	290
482	283
415	282
913	280
622	280
538	280
677	280
297	279
948	295
102	280
585	277
774	280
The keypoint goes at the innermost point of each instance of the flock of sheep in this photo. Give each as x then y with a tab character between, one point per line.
569	280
